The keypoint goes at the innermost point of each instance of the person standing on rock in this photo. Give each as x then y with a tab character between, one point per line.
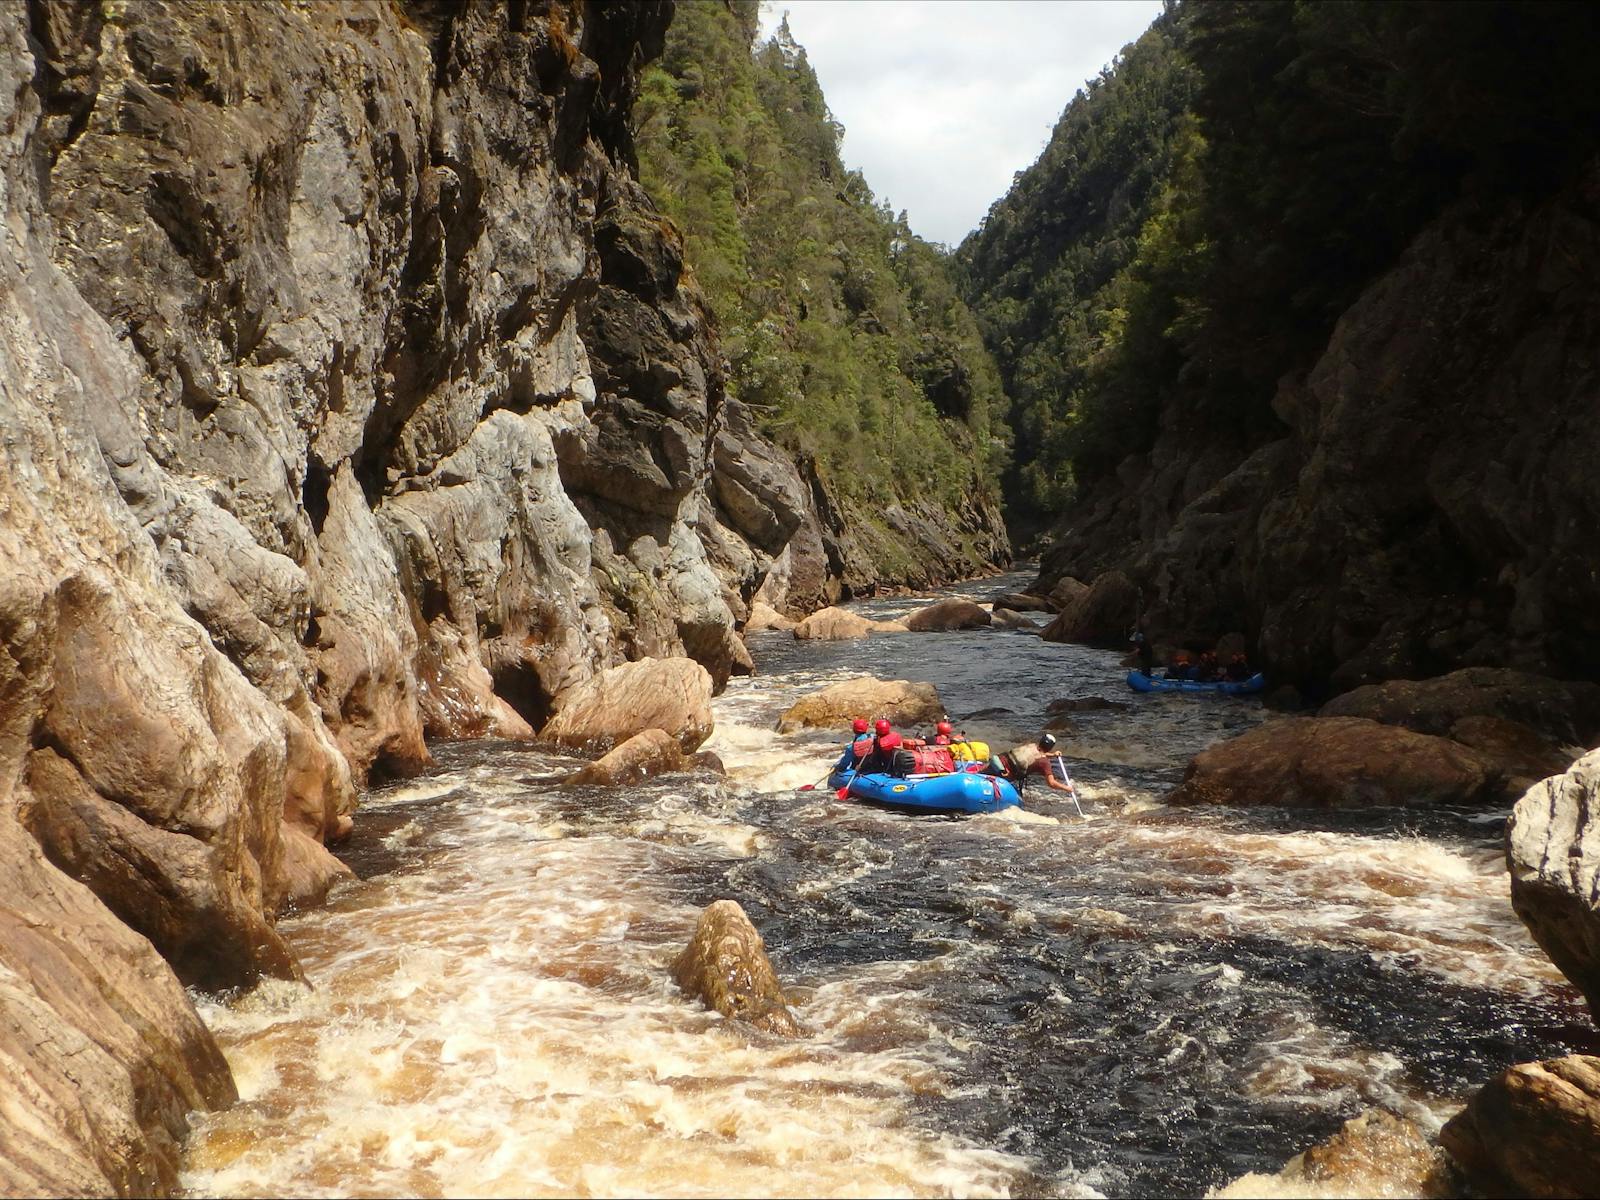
1147	655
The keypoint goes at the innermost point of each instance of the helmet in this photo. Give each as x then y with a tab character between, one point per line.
1047	741
859	725
880	726
944	727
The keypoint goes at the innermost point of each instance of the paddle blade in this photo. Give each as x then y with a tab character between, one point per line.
843	793
806	787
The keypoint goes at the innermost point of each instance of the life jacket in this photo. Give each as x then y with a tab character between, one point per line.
934	760
970	751
880	759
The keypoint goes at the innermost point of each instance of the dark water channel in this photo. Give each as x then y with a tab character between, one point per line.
1148	1001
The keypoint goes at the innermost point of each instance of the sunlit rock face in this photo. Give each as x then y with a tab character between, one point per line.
351	396
1553	849
726	966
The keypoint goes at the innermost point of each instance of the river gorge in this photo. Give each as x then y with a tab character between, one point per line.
423	422
1149	1000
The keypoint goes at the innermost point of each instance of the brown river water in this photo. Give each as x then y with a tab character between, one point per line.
1149	1000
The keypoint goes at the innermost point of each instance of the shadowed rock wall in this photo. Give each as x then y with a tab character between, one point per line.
1430	505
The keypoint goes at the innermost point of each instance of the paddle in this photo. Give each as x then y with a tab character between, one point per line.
1072	788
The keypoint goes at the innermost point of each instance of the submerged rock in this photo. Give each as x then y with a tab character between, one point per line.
900	700
1553	849
652	752
946	615
1339	762
1533	1130
671	694
726	966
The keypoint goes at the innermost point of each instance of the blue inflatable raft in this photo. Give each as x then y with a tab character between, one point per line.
1140	682
959	792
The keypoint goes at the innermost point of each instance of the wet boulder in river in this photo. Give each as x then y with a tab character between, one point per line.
900	700
946	615
1340	762
841	625
673	694
1101	615
764	616
1066	590
652	752
1534	1130
1007	618
1374	1153
1023	602
726	966
1553	849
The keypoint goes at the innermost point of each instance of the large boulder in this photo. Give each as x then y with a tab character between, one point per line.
1102	615
1066	591
102	1054
1024	602
764	616
1533	1130
841	625
945	615
1553	849
672	694
726	966
900	700
653	752
1339	762
1008	619
1563	710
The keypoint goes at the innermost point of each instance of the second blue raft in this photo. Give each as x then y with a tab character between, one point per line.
1140	682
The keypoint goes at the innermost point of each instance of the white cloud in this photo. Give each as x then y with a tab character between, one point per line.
943	101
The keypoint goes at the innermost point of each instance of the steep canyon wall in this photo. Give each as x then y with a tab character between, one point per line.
351	396
1427	506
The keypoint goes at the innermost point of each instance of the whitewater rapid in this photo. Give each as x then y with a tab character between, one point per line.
1149	1000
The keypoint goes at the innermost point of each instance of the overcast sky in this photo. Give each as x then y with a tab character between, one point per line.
943	101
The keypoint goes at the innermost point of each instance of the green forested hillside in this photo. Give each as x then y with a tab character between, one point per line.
845	332
1209	206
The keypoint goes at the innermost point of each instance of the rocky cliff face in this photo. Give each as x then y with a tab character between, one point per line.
351	396
1429	506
